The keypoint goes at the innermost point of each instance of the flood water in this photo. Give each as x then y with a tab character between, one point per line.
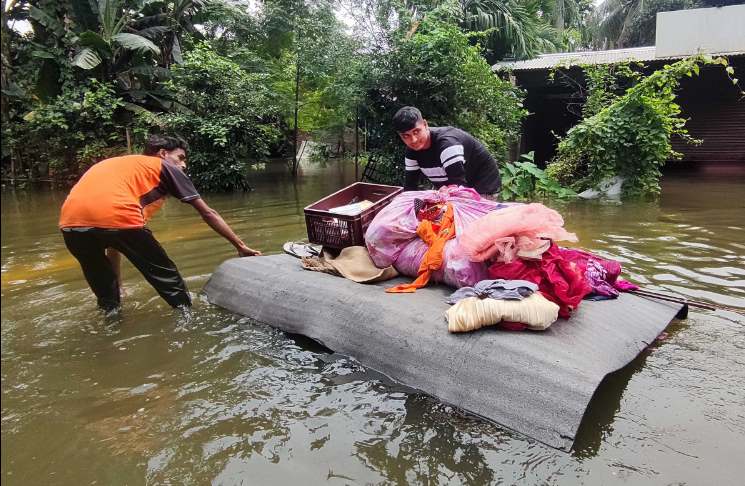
147	398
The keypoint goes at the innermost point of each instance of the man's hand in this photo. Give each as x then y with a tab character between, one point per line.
245	251
215	221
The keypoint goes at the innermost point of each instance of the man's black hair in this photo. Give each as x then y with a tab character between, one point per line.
156	142
406	118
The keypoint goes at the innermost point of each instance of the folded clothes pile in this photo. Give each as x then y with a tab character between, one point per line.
511	304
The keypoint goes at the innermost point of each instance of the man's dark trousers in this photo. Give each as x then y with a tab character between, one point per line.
88	246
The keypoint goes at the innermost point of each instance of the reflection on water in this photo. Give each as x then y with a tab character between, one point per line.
148	397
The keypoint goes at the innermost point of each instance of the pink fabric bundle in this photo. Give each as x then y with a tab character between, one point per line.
391	238
519	230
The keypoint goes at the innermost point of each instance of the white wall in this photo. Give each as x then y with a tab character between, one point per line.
710	30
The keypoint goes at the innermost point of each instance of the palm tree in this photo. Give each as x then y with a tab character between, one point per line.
629	23
563	13
519	27
611	21
108	42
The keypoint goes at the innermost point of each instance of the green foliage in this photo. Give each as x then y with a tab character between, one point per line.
605	82
630	137
629	23
599	86
514	28
228	115
230	79
525	180
72	131
437	70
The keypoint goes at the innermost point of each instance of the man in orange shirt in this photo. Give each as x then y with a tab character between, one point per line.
109	207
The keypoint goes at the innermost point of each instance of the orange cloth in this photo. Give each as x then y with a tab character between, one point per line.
435	235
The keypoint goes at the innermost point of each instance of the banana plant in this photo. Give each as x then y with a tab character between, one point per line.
129	42
105	44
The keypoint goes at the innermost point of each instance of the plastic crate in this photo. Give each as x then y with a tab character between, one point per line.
340	231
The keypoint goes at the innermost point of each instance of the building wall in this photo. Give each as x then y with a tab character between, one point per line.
715	110
708	30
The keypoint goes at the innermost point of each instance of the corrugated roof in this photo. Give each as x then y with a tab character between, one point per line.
548	61
538	384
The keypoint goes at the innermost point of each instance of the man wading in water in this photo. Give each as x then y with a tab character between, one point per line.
109	207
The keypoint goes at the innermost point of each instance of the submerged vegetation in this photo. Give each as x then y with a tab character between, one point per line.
627	135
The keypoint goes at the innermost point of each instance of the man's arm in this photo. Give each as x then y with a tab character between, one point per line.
452	160
411	182
215	221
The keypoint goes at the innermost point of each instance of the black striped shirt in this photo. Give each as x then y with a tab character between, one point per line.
454	157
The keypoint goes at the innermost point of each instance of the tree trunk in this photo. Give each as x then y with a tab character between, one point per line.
356	143
559	15
5	59
295	160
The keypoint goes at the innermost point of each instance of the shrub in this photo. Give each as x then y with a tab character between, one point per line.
525	180
72	131
228	115
630	137
439	71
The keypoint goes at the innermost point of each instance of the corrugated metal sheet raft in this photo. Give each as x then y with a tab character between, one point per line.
537	384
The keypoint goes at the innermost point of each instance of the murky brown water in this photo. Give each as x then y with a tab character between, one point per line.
142	399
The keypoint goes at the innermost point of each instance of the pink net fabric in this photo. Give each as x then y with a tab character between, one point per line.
518	230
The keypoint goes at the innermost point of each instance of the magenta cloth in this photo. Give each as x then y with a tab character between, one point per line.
600	273
502	235
391	238
625	285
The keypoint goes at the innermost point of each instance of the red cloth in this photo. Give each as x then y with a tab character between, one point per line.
559	280
512	326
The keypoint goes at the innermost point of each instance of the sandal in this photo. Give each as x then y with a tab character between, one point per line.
300	249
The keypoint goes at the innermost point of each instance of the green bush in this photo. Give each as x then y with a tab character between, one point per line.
71	132
228	116
439	71
525	180
630	137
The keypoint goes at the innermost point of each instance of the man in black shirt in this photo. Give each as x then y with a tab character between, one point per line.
446	155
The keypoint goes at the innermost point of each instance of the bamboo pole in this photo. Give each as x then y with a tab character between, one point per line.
683	300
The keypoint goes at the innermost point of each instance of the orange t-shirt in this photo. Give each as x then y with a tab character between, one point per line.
119	192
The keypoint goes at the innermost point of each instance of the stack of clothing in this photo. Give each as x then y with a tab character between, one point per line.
511	304
394	236
518	243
